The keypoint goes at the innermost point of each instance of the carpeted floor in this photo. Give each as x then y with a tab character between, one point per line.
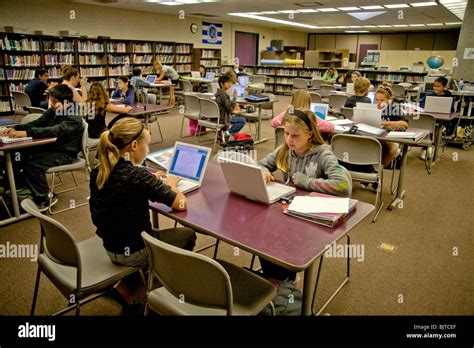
430	273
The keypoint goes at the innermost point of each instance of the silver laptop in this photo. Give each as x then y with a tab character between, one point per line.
350	89
195	74
320	110
214	87
240	91
188	162
366	105
210	75
439	105
247	180
370	117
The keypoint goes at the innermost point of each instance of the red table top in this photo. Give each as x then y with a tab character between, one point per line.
260	229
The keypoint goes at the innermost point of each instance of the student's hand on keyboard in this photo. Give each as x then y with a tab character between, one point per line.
160	175
267	176
5	131
10	132
171	181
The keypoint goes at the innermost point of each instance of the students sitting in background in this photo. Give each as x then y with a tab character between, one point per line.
202	70
439	90
233	77
137	80
361	90
330	75
302	100
37	87
343	79
308	163
124	92
227	108
70	77
165	72
354	76
99	99
57	122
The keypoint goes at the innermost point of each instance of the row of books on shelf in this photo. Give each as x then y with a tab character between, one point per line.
33	60
390	77
283	89
91	59
209	63
208	54
285	80
111	83
165	59
160	48
118	71
116	47
58	46
146	69
309	73
18	87
91	72
262	71
4	106
414	79
22	44
183	48
291	72
54	72
143	48
142	59
119	59
184	59
53	59
17	74
88	46
183	68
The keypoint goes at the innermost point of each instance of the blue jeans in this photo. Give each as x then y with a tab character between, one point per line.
237	123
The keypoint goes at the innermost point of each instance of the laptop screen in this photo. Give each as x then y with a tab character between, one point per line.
371	96
243	80
240	91
151	78
210	75
195	74
188	162
320	110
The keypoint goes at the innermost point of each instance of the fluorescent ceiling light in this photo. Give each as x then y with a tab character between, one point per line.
363	16
354	26
434	24
274	20
400	25
170	3
357	31
416	25
373	7
453	23
341	27
309	10
350	8
423	4
397	6
328	9
384	26
269	12
369	26
456	7
288	11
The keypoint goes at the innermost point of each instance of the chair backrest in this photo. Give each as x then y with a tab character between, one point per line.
201	280
325	90
140	96
21	99
151	98
398	91
347	112
30	117
423	121
357	149
279	136
316	83
209	109
186	86
253	79
315	97
35	110
300	83
59	245
191	104
337	101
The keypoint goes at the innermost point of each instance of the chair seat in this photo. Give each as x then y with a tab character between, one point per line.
192	115
251	293
361	176
98	271
77	164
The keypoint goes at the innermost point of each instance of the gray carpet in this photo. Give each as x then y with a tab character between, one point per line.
422	277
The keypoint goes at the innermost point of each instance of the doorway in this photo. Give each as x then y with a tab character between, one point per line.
246	48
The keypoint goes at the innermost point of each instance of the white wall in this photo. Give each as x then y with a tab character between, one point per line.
51	16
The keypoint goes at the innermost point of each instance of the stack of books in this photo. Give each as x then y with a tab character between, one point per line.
321	209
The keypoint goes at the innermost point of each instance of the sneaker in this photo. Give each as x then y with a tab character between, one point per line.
44	206
226	137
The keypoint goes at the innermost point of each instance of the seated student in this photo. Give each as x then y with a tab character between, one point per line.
392	119
165	72
202	70
233	77
137	80
302	100
227	108
308	163
361	90
98	104
124	92
37	87
343	79
70	77
354	76
439	90
330	75
60	122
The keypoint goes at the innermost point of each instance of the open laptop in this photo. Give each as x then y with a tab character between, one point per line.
247	180
350	89
188	162
210	75
371	96
243	80
195	74
320	110
366	105
370	117
214	87
439	105
151	78
240	91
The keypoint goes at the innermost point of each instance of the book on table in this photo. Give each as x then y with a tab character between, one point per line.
160	159
324	210
415	135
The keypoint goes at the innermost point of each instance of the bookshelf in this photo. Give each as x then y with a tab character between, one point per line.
165	52
210	58
56	52
5	100
325	58
184	62
118	60
142	56
92	58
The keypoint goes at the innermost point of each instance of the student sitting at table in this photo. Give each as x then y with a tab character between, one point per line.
58	121
302	100
228	107
343	79
137	79
165	72
36	88
124	93
202	70
361	90
70	77
308	163
439	90
330	75
120	193
98	104
354	76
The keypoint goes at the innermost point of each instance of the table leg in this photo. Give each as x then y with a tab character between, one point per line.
400	189
259	140
439	137
308	289
161	96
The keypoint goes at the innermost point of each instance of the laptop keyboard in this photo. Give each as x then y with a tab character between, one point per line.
277	190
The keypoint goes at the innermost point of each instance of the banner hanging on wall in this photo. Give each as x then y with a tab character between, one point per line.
212	33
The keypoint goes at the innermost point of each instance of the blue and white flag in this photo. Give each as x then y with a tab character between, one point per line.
212	33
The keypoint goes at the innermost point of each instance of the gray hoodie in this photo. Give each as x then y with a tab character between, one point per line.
317	170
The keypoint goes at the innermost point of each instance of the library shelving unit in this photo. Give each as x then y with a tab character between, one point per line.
56	52
225	68
5	100
92	59
209	57
142	55
165	52
325	58
118	60
184	58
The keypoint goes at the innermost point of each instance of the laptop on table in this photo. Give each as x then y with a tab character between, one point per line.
320	110
189	162
195	74
240	91
210	75
438	105
151	78
246	180
370	117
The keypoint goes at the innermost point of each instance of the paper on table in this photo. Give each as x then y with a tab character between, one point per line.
342	122
308	204
331	118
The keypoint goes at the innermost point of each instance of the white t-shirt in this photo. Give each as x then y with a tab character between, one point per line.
170	73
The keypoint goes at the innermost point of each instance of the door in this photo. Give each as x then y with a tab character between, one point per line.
363	48
246	48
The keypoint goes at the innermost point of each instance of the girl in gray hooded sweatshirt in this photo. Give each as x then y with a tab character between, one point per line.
308	163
